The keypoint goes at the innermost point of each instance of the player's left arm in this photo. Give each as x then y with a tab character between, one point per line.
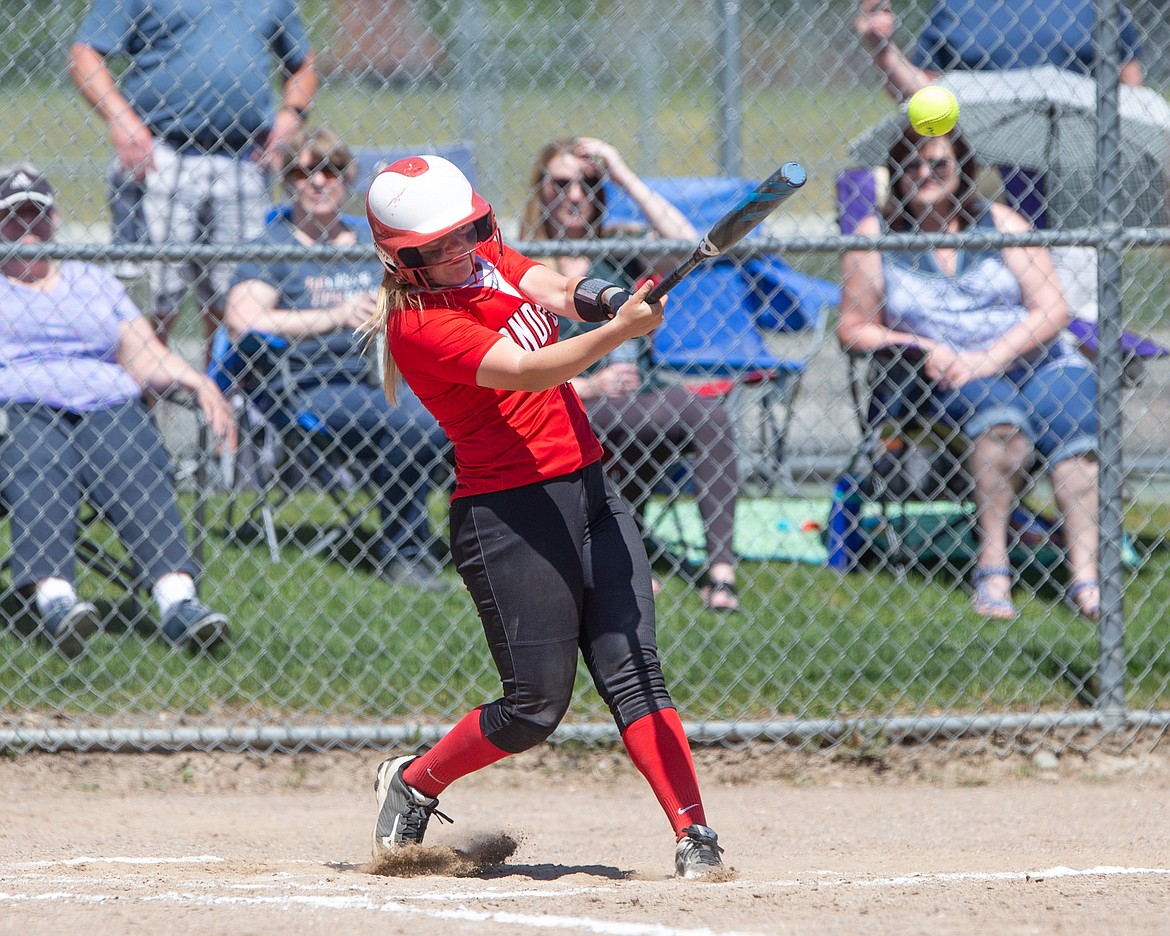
596	301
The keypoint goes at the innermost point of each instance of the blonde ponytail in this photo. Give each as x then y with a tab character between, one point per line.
392	296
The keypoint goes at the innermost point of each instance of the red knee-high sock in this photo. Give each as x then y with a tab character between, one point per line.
659	749
461	751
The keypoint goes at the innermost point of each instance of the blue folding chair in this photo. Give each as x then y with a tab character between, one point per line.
720	318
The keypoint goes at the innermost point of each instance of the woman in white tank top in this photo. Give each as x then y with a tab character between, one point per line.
989	323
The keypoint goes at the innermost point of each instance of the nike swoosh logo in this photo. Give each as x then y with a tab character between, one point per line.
687	809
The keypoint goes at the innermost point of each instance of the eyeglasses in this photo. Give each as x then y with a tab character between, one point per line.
328	169
939	168
590	185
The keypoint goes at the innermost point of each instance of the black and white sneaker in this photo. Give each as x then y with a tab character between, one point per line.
66	624
697	853
403	812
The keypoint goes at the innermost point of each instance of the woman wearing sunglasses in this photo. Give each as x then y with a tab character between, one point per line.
646	426
551	556
989	323
294	322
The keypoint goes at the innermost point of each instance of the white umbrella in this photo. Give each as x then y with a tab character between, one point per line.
1045	119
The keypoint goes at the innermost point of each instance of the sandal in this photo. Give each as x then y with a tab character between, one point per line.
1073	594
725	589
984	602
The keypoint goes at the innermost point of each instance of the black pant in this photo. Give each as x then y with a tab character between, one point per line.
552	567
113	458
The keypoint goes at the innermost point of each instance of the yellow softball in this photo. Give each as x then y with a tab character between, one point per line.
933	111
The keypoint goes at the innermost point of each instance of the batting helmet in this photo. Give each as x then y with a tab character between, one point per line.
414	202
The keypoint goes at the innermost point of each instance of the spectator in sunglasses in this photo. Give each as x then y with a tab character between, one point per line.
645	426
76	355
294	323
987	324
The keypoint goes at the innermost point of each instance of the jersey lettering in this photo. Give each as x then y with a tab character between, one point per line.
530	327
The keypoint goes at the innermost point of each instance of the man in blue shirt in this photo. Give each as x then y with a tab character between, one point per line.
193	119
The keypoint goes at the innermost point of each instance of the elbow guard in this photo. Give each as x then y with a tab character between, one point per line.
598	301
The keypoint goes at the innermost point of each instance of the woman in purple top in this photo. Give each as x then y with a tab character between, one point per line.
75	357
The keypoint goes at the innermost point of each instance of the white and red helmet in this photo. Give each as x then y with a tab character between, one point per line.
415	201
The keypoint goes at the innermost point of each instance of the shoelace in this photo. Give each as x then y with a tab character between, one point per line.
706	853
415	819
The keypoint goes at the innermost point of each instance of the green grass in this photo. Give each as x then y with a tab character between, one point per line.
316	638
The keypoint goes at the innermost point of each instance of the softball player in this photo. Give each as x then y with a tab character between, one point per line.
552	558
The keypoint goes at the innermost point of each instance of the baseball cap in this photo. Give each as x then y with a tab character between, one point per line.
24	184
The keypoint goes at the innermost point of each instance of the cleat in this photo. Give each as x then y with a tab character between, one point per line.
697	853
403	812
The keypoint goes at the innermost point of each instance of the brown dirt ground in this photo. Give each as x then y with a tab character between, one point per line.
917	841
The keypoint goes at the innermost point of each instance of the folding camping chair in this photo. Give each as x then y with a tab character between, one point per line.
713	337
281	454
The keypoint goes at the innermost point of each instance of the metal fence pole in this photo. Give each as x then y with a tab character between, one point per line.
730	119
648	84
478	92
1111	627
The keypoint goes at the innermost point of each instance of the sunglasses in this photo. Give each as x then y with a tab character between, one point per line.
483	228
328	169
562	184
938	168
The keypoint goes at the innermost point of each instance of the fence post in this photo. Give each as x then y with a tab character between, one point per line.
1111	626
730	118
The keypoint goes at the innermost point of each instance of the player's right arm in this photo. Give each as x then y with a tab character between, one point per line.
130	137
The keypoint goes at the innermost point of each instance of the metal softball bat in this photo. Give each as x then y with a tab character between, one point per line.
737	223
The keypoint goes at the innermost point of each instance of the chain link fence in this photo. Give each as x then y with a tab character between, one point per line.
856	625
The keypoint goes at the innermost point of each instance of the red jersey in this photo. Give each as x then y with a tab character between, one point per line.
503	439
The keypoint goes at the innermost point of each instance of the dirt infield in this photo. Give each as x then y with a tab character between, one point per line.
915	843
